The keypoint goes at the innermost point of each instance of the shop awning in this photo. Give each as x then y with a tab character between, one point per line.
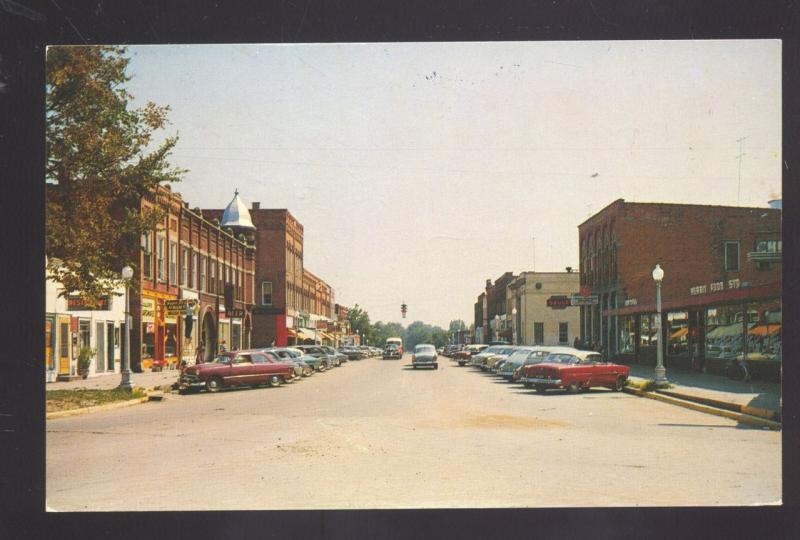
765	329
290	332
305	333
326	335
680	333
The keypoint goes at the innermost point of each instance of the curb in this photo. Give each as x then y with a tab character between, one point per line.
700	407
767	414
98	408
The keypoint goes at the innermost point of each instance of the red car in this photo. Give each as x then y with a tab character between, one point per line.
236	368
574	371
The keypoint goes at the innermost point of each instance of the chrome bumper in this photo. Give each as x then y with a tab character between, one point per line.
537	380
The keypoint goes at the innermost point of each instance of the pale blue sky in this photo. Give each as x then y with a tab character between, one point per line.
419	170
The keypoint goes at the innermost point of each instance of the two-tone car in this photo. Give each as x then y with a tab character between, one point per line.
463	356
339	357
235	368
293	356
315	357
425	356
525	356
351	352
574	371
503	352
478	360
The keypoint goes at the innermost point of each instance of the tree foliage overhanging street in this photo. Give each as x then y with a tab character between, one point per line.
101	161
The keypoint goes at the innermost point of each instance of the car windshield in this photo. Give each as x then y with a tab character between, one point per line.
561	358
519	356
424	349
536	357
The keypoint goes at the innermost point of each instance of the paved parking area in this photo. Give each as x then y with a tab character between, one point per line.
377	434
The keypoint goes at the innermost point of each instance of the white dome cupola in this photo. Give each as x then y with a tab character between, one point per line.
236	214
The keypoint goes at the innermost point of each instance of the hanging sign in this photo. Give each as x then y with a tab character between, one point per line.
148	310
558	302
179	307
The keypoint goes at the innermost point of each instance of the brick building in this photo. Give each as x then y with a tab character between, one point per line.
490	311
292	305
721	293
192	259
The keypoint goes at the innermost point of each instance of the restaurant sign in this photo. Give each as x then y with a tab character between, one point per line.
78	303
558	302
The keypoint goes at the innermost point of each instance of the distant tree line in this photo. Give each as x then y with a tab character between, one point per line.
417	332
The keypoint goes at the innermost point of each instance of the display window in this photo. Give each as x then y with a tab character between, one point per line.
648	331
236	337
764	340
724	331
627	334
148	328
171	339
677	333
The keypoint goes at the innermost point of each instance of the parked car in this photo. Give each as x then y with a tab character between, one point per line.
365	351
478	360
392	351
439	350
315	357
336	354
351	352
504	352
526	355
424	356
294	356
575	371
237	368
463	356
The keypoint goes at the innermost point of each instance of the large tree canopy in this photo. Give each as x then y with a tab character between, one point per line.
101	160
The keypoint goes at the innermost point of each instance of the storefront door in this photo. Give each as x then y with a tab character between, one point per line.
63	345
110	345
100	365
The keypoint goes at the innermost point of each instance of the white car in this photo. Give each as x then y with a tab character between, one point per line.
425	356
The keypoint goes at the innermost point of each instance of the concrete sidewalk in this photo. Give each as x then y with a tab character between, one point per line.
147	380
760	397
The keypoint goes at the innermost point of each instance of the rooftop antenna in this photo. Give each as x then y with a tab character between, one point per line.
739	157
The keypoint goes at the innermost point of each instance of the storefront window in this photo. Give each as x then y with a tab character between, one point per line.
724	332
764	340
236	337
648	332
148	340
85	336
677	333
171	340
224	336
627	334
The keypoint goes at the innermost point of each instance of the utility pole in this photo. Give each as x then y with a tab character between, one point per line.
739	157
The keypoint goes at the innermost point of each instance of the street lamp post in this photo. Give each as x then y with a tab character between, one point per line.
660	371
514	324
126	383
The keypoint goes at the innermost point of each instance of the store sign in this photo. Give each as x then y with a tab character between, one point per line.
590	300
235	313
78	303
558	302
179	307
631	302
716	286
148	310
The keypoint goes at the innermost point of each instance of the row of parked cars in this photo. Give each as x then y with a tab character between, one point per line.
544	367
270	366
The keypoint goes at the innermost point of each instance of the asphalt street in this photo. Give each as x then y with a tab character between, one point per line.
377	434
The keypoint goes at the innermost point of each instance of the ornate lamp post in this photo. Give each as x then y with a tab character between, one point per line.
514	324
126	383
660	371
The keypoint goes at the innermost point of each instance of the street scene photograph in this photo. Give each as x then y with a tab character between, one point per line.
401	275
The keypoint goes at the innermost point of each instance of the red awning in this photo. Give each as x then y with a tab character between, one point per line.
765	329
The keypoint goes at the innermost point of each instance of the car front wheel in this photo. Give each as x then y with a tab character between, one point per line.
275	380
214	384
573	388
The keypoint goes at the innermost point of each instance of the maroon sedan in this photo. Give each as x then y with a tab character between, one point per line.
574	371
236	368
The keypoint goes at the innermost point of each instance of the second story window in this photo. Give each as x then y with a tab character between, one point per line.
147	255
193	282
732	256
202	285
185	267
173	263
160	262
212	282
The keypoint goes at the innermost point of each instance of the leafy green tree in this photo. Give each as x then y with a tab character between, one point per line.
101	160
457	326
359	322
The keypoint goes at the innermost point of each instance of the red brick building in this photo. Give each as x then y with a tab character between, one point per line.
292	305
721	292
188	260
